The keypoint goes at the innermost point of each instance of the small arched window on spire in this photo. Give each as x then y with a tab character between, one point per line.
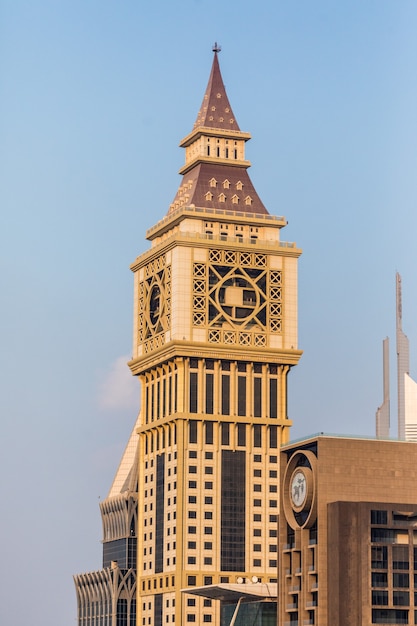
239	185
222	197
235	199
209	196
226	184
213	182
248	200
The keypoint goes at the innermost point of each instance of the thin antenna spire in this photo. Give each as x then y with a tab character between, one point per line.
216	48
399	302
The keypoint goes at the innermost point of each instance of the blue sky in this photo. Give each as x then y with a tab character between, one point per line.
94	99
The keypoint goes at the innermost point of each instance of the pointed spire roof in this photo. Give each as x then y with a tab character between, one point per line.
215	172
215	110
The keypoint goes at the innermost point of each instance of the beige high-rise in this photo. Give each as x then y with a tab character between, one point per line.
215	335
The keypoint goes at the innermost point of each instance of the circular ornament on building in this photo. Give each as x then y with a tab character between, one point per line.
238	297
299	493
298	488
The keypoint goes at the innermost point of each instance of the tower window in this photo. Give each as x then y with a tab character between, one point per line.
257	436
273	437
257	396
225	434
273	398
241	434
209	431
241	398
192	431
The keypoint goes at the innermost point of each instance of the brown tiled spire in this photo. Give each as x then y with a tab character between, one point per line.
215	172
215	110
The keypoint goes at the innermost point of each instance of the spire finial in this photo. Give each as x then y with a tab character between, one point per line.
216	48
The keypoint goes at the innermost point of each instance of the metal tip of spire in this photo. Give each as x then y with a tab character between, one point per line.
216	48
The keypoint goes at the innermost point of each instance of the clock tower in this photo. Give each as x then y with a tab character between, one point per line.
215	336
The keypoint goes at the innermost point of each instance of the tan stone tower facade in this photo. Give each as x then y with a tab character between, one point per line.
215	335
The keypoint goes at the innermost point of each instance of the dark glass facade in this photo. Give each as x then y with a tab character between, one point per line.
159	514
123	551
233	488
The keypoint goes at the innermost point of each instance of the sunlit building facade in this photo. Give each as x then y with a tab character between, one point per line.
348	532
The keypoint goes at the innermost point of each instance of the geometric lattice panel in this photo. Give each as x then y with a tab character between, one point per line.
236	298
154	297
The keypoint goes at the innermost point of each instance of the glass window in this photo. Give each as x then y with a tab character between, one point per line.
225	433
379	517
257	436
400	557
193	429
379	579
273	437
241	434
400	580
380	597
401	598
193	392
273	399
225	394
209	432
379	557
209	395
257	396
241	397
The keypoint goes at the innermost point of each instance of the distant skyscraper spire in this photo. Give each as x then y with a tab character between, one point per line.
383	412
403	360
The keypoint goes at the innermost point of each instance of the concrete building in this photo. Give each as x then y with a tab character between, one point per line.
215	336
348	532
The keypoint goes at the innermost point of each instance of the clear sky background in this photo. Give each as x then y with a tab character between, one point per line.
95	96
